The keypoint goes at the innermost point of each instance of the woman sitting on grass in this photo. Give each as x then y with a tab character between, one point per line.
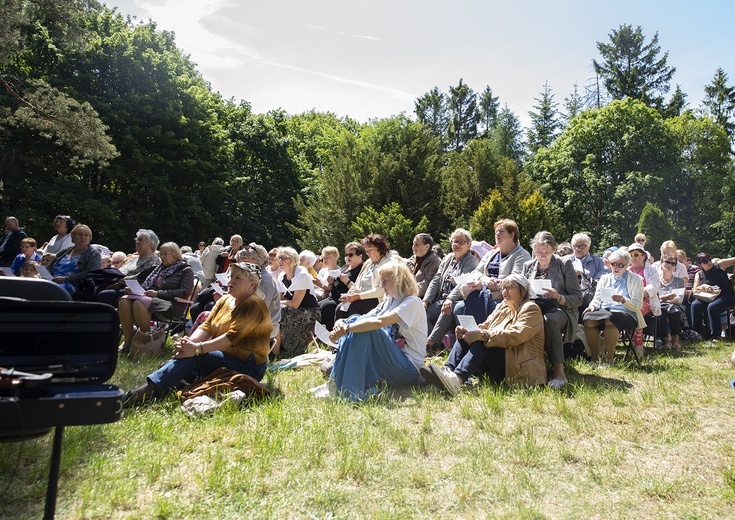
508	347
236	335
369	350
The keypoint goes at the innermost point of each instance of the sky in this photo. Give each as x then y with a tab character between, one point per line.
373	59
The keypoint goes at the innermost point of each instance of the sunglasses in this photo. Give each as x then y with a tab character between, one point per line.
636	255
669	262
618	265
350	255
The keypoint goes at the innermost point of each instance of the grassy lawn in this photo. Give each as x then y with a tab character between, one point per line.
616	442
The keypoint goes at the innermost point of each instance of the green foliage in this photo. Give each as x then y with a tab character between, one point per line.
492	209
432	109
631	68
391	223
468	177
532	214
600	173
654	224
545	122
719	100
488	109
464	115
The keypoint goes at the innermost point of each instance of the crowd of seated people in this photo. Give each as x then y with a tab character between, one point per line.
549	292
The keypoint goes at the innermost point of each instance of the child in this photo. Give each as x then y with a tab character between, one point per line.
28	270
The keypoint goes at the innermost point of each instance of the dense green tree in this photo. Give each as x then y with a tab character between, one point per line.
600	173
38	115
488	109
432	109
632	68
507	135
468	177
719	102
463	115
493	208
390	222
657	228
696	195
545	123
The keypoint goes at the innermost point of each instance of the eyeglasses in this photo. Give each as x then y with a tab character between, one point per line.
618	265
459	242
580	246
283	257
636	255
26	247
350	255
670	262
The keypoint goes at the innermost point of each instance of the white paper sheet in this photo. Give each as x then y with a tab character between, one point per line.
334	273
44	272
606	293
538	287
321	332
577	264
467	322
218	289
464	279
135	287
223	278
8	271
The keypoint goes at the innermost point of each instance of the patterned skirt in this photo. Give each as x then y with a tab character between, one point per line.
297	329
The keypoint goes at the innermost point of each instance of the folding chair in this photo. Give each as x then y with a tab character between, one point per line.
626	338
178	322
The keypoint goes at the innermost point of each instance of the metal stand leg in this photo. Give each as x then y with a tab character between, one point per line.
53	475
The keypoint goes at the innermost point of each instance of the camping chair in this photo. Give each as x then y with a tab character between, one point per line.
178	322
626	338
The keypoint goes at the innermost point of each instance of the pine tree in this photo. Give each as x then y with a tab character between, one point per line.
719	102
488	109
573	105
545	122
463	114
631	68
432	110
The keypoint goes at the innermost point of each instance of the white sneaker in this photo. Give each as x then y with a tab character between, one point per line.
448	380
325	391
723	334
557	384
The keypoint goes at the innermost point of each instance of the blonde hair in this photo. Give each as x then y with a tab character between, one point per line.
330	251
291	253
79	228
404	284
174	248
30	263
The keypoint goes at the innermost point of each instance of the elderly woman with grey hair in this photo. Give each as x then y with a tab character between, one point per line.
299	306
509	345
621	312
441	295
558	303
137	267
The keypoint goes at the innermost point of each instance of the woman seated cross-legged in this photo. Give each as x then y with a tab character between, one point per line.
621	312
235	335
369	350
509	346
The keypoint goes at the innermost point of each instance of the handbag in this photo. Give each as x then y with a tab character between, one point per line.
147	344
707	297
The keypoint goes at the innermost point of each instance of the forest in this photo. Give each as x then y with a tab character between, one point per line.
105	119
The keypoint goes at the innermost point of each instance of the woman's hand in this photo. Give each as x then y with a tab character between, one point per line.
668	297
588	309
475	286
339	330
349	297
472	336
184	348
59	279
460	331
550	292
151	293
345	278
618	298
447	307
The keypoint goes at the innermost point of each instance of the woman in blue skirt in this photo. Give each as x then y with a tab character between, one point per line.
387	344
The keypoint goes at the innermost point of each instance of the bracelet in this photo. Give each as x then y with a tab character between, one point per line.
198	349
